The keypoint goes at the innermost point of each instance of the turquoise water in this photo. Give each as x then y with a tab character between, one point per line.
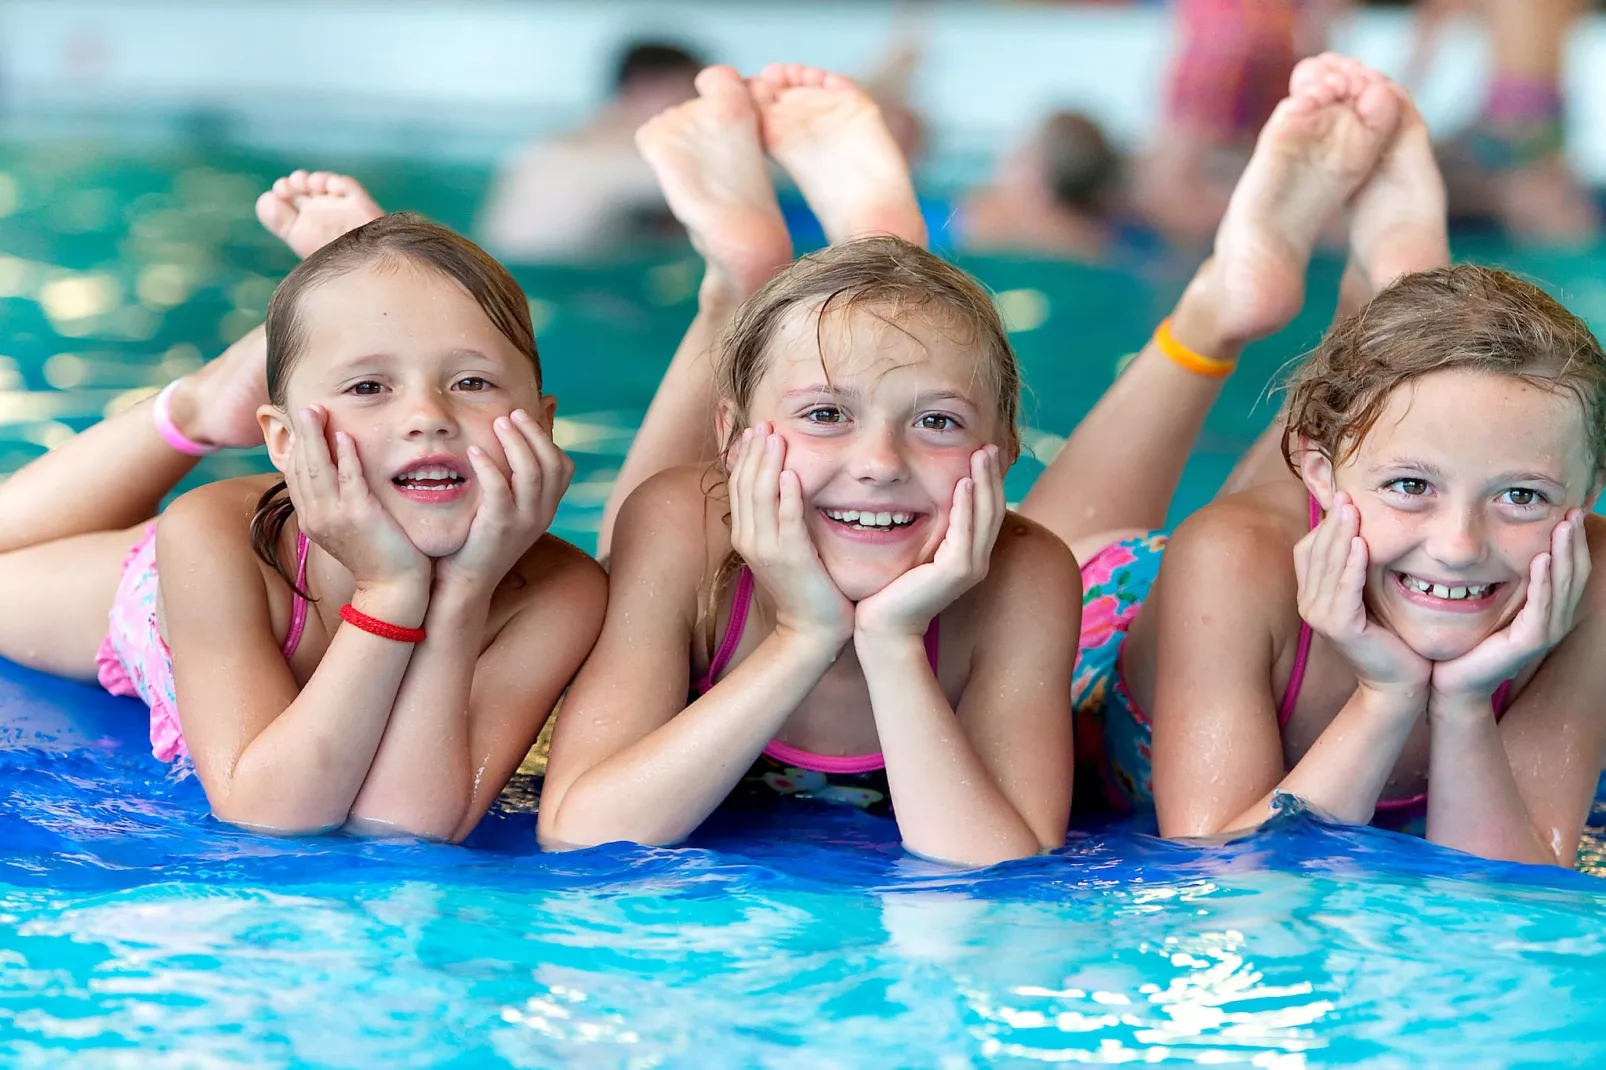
135	930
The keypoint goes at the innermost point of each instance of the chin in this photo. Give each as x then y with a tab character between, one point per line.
436	539
857	584
1442	644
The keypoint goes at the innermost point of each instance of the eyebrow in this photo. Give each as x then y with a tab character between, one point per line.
815	390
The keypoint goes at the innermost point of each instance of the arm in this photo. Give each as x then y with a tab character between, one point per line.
1521	789
630	760
268	755
1218	754
467	712
991	781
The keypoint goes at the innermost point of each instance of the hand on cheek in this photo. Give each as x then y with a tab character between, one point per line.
1556	582
907	605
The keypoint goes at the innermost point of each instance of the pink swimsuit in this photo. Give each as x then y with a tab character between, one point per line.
857	779
134	661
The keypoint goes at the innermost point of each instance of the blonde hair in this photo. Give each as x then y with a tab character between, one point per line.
1461	317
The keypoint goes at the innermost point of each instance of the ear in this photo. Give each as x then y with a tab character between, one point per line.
1316	469
546	411
277	434
724	420
1594	492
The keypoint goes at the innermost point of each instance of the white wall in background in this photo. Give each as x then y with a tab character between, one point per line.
468	75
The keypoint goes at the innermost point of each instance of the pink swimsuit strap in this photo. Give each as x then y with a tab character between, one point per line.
298	604
820	763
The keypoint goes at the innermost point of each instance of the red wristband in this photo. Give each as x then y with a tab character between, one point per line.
374	626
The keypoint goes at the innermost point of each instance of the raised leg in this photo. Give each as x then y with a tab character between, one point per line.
1121	466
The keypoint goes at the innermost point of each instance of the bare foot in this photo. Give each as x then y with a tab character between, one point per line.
832	140
710	163
218	404
1313	153
308	211
1399	219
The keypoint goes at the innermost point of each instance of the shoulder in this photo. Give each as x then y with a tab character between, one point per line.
1248	536
1031	575
560	577
679	513
226	505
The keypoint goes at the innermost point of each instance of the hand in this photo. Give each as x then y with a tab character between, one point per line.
767	530
1330	563
336	509
515	509
1556	582
907	605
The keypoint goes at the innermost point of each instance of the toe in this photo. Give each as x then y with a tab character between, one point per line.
318	183
275	213
296	181
1379	107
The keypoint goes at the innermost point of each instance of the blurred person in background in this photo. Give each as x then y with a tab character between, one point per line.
1052	195
589	190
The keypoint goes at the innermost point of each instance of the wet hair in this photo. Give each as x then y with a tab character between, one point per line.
1463	317
882	276
1081	167
654	59
395	240
887	277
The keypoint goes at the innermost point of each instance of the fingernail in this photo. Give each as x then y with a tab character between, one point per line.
475	451
503	424
521	416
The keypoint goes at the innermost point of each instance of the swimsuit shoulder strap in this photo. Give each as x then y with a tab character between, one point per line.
740	602
1296	677
298	604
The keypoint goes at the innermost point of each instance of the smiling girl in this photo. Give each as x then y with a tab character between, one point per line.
373	638
840	607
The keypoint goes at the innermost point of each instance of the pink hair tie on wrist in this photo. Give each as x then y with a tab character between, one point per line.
170	432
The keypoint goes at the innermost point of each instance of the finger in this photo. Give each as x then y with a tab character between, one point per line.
737	483
1533	624
989	495
767	489
523	470
1340	550
349	482
557	469
789	511
496	497
959	540
1352	585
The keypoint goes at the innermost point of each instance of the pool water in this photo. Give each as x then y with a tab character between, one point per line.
136	930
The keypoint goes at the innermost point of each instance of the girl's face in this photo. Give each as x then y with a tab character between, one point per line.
1459	485
408	365
878	445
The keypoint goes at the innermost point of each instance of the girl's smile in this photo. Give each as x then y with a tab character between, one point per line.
1459	484
880	423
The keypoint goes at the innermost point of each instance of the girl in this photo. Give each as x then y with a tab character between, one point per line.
1411	609
845	600
374	639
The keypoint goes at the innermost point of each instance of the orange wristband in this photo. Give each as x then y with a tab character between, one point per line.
1179	354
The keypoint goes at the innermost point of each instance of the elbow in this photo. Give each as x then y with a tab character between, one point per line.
270	818
443	818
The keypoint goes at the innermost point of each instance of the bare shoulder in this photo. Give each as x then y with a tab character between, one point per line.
225	506
1032	574
1245	536
678	514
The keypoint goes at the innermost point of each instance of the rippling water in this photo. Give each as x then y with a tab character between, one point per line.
133	925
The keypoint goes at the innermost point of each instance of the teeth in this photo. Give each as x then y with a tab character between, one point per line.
866	519
1452	594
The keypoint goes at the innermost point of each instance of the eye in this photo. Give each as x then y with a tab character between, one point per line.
1411	488
472	382
938	421
1524	497
825	414
365	388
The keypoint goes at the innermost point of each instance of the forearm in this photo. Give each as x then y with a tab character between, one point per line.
1473	801
679	426
303	771
422	778
662	787
1344	772
947	804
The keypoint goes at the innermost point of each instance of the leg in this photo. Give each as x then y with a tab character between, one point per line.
831	138
1120	468
1398	225
57	597
710	162
308	210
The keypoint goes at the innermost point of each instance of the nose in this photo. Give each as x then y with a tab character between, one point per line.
878	457
1456	538
429	415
